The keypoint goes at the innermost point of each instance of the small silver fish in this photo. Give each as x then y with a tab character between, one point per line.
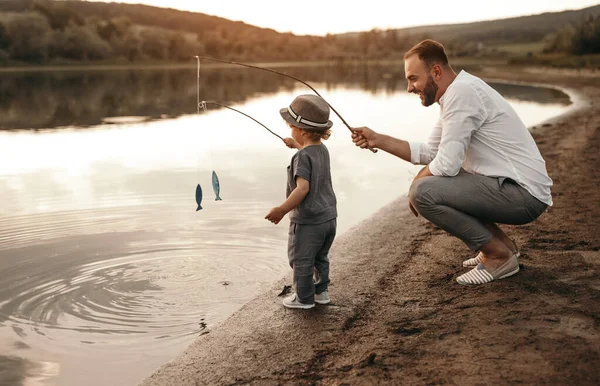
216	187
198	197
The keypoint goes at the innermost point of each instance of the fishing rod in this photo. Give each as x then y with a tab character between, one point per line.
204	103
283	74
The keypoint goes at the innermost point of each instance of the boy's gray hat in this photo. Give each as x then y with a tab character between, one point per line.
308	112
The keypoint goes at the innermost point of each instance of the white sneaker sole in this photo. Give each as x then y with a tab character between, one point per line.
323	301
514	271
478	277
299	306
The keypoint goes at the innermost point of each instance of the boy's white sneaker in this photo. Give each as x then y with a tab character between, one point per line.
292	302
322	298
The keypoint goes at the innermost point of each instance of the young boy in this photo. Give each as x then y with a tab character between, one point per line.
310	201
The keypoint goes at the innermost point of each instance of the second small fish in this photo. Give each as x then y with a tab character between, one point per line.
198	197
216	187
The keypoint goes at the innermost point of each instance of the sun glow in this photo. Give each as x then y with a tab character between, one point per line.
317	17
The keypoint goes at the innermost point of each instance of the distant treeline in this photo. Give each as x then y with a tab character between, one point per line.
577	39
39	100
44	31
50	31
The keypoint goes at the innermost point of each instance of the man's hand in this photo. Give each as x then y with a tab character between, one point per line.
364	137
412	209
276	214
291	143
422	173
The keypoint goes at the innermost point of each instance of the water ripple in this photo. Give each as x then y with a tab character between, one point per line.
162	293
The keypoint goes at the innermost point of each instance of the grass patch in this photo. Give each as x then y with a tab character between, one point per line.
521	48
559	61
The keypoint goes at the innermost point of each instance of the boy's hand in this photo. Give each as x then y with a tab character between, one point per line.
275	215
291	143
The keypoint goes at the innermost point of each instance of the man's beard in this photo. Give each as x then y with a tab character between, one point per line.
429	92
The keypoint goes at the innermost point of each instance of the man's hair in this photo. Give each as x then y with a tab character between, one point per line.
430	52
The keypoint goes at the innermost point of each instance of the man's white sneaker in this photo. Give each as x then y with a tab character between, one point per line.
322	298
292	302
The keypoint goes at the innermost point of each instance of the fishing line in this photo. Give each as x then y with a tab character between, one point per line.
200	106
283	74
215	178
204	103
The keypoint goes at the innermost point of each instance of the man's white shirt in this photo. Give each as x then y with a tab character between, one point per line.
479	131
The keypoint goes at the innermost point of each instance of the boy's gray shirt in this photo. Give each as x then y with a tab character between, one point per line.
320	205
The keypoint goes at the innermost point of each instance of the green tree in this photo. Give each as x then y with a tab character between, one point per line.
108	29
29	34
80	43
5	40
59	15
155	43
127	46
182	47
586	39
213	44
561	40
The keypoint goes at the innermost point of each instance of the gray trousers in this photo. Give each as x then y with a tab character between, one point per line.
308	254
461	205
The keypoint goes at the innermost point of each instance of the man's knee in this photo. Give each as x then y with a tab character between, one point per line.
420	192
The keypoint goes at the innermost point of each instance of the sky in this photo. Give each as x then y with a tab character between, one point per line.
319	17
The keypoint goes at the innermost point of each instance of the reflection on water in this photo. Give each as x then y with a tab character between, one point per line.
106	269
19	371
70	98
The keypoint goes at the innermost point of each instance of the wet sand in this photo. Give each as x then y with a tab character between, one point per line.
397	315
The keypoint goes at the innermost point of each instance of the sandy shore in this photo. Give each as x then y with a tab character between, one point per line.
399	317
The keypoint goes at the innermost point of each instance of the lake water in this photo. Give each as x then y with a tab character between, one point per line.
106	269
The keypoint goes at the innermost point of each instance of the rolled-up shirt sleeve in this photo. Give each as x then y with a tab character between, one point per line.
462	114
422	153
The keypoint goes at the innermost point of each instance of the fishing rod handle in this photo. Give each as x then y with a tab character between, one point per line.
353	132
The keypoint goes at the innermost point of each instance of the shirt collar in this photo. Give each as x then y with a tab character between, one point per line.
461	74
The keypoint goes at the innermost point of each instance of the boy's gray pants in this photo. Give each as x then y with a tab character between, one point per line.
308	249
462	204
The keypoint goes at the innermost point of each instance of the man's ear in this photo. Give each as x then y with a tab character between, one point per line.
436	72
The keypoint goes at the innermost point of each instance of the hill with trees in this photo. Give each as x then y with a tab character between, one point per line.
55	32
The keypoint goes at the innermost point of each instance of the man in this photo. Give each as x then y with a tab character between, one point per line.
483	166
